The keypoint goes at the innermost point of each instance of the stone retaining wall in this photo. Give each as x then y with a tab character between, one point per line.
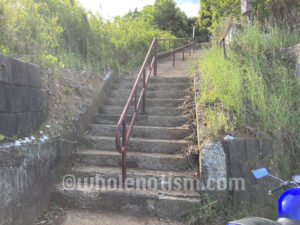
23	102
246	154
28	173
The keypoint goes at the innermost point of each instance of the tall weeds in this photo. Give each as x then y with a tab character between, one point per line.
255	88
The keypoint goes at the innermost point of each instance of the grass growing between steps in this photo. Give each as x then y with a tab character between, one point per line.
255	89
214	212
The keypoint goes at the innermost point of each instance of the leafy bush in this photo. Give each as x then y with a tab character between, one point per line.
54	33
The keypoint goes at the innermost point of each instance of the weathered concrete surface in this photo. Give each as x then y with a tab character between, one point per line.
150	132
168	204
144	120
152	111
137	178
80	217
174	162
213	167
23	103
27	173
138	144
247	154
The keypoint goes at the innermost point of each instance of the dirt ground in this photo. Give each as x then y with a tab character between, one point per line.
67	94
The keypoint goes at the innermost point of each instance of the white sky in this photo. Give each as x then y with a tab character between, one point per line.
110	8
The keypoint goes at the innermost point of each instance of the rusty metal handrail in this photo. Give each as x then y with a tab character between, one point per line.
122	124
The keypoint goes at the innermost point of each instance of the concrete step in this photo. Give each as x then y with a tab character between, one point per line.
104	217
137	178
153	111
151	94
158	79
152	161
170	204
150	102
138	144
142	131
153	86
144	120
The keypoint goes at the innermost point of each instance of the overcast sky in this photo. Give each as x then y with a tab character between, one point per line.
110	8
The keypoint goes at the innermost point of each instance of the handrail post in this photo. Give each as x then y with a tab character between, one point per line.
155	57
190	52
144	96
174	52
124	153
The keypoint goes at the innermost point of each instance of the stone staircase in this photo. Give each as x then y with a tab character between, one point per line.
154	154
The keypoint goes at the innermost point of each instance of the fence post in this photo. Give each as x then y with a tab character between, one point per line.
155	57
224	48
174	46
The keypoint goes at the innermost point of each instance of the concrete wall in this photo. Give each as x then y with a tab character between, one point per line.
26	176
28	173
246	154
22	100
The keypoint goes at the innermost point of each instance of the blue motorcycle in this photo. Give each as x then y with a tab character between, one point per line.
288	202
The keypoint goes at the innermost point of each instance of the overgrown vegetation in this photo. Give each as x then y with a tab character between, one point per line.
214	14
59	33
214	212
254	89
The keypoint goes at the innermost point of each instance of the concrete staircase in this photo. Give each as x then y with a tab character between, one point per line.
155	154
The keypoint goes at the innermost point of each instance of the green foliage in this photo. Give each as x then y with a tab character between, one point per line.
2	137
131	39
256	87
165	15
58	33
214	212
69	91
277	12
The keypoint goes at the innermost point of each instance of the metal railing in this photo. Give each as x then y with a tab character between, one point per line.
174	45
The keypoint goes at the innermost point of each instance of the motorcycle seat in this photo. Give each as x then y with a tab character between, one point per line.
287	221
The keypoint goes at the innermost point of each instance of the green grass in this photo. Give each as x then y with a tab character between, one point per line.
255	88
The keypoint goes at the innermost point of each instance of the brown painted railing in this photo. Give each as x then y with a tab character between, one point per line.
174	45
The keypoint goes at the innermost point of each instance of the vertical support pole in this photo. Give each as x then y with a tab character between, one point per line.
135	102
183	54
173	52
224	48
155	57
163	45
194	44
169	45
144	96
190	43
124	145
